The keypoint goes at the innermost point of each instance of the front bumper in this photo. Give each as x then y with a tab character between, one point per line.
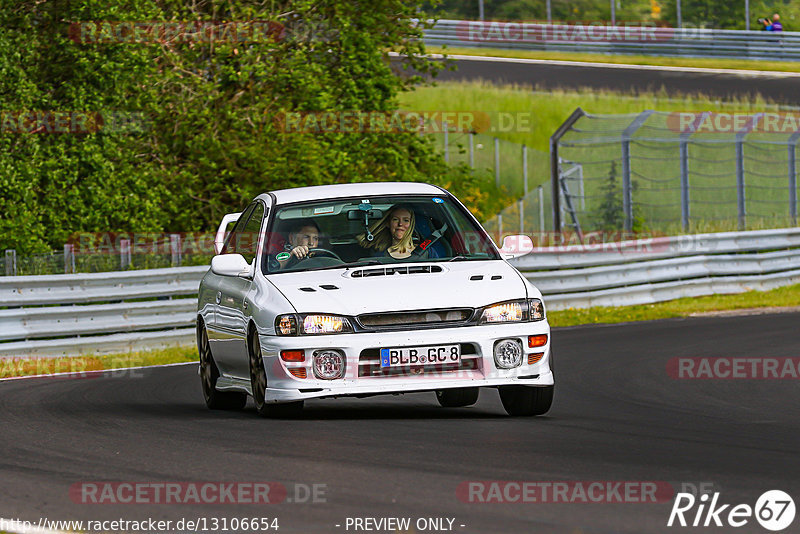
363	377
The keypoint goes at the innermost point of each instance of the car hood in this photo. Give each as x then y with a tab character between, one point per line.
465	284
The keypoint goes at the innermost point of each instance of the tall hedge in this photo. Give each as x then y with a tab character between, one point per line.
207	137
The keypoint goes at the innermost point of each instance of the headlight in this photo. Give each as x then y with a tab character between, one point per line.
292	325
502	313
513	311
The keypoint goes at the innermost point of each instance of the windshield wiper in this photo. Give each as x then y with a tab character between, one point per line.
458	258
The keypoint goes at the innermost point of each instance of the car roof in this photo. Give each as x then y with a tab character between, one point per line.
322	192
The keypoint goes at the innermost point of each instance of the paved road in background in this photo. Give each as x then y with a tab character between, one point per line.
552	75
617	416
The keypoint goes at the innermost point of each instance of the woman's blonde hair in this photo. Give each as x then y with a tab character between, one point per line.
383	237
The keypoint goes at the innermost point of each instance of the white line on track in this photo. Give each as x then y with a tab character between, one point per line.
93	373
701	70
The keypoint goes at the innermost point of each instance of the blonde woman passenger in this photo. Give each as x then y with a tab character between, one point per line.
393	234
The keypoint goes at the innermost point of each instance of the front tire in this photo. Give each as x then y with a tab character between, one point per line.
209	374
457	397
258	383
526	400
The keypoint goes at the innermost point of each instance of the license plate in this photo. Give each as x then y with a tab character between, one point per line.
436	354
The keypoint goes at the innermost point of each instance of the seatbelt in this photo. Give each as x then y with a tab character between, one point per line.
430	240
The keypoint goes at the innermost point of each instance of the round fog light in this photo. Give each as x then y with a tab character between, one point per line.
508	354
328	364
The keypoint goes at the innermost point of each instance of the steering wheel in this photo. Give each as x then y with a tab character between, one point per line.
324	251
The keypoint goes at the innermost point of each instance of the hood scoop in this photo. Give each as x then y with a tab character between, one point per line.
396	269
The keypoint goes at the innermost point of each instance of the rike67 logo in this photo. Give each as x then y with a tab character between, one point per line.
774	510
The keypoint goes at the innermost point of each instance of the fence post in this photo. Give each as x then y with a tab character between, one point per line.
69	258
499	229
541	208
497	162
446	142
175	249
124	254
793	176
555	187
11	262
521	203
472	150
525	169
740	190
627	196
684	155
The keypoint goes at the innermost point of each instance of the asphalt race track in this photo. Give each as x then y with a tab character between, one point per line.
553	75
617	416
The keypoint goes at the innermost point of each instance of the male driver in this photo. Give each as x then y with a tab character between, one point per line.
303	236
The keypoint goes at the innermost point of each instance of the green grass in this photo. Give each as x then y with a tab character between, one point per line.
547	110
80	364
712	63
780	297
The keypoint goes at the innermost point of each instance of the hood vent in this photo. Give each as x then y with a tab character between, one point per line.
396	269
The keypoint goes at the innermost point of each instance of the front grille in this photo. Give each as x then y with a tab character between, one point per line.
389	320
369	364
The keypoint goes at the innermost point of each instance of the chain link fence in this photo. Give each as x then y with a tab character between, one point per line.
115	254
678	173
516	176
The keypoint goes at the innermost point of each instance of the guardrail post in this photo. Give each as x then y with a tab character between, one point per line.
521	216
69	259
627	195
446	141
793	176
11	262
497	162
124	254
175	249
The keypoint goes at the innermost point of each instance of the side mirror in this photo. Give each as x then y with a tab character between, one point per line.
219	238
231	265
515	246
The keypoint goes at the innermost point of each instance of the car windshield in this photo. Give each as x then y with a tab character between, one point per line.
370	231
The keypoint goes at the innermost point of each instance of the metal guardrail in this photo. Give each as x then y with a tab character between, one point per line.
98	312
622	39
666	268
56	315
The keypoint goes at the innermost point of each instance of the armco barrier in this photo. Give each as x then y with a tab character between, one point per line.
56	315
624	38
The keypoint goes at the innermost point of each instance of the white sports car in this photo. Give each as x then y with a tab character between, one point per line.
368	289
